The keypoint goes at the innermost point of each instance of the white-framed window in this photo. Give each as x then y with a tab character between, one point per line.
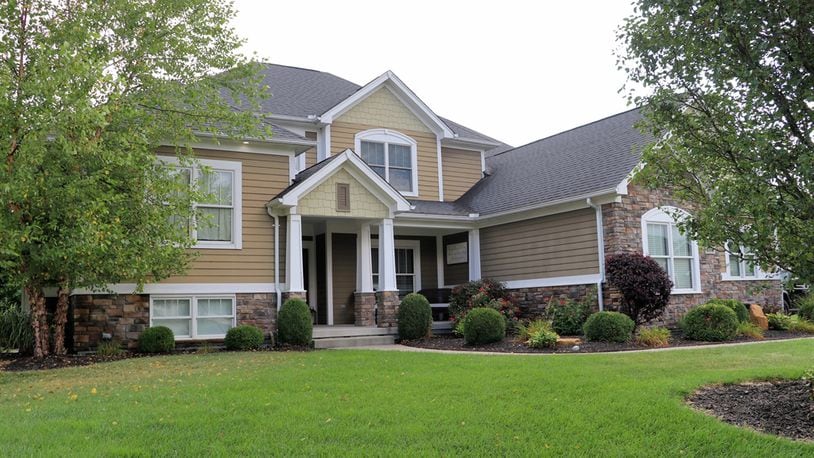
221	212
674	251
739	266
393	156
194	317
408	266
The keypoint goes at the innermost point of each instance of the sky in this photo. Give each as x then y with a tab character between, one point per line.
517	71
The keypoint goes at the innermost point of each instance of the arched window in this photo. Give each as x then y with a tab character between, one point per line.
674	251
392	155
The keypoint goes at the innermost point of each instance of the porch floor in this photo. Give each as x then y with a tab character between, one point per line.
349	330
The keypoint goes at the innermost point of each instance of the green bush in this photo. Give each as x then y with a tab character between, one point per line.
801	326
415	317
543	339
158	339
737	306
526	329
243	337
484	325
109	348
482	293
294	323
750	330
16	332
779	321
806	305
567	315
653	337
609	327
710	322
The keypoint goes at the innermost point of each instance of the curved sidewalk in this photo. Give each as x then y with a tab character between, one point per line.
405	348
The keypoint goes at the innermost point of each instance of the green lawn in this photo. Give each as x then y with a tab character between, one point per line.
389	403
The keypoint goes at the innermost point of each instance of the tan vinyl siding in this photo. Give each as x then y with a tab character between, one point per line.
344	276
264	176
462	169
343	137
551	246
455	274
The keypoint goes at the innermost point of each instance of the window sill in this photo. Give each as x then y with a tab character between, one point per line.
725	277
217	246
199	338
679	292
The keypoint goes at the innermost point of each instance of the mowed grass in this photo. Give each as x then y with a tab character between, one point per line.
338	403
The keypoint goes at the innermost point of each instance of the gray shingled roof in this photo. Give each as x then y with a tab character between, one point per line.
281	133
302	92
578	162
434	207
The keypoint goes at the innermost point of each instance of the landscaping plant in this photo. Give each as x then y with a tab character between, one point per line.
543	339
109	348
779	321
710	322
484	325
15	329
643	283
567	315
157	339
243	337
609	327
737	306
482	293
294	325
414	317
801	326
806	305
527	328
656	336
747	329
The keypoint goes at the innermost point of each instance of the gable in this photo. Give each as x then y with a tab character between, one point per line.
322	200
383	109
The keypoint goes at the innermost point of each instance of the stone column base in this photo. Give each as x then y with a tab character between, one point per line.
292	294
388	303
364	305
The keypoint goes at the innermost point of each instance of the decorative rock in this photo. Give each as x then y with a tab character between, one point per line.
575	348
757	317
568	341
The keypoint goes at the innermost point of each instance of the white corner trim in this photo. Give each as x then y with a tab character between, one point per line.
440	169
329	275
391	137
439	260
182	288
402	92
591	279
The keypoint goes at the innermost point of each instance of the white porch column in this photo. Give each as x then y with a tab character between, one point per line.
293	254
364	269
387	256
474	254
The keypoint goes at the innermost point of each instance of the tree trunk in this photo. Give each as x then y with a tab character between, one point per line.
39	321
60	319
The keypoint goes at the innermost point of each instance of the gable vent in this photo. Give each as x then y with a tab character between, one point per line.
342	197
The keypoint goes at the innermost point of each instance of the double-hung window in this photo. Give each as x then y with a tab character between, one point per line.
408	261
739	265
194	317
392	156
219	212
672	250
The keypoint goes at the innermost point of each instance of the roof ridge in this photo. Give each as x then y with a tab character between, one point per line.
565	131
307	70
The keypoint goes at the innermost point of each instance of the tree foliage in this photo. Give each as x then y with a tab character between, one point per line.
728	91
90	89
644	285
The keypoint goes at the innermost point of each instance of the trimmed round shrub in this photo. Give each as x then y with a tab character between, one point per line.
710	322
737	306
158	339
415	317
779	321
644	285
806	311
294	323
609	327
244	337
484	325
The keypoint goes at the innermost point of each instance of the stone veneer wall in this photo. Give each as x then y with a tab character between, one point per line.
125	317
533	301
623	233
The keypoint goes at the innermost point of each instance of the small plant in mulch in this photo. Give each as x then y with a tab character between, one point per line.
656	336
750	330
482	293
537	334
779	321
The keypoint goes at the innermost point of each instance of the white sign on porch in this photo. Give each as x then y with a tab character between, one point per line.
457	253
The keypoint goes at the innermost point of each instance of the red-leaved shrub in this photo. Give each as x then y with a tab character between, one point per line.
644	285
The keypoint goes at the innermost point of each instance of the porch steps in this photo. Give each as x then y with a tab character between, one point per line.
352	336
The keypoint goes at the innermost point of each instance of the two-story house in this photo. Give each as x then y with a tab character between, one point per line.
364	194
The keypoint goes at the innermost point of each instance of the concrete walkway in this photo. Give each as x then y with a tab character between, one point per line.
405	348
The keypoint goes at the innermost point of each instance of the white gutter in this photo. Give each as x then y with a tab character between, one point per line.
276	256
600	240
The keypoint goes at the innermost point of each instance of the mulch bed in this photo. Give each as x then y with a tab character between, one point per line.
777	407
14	363
509	345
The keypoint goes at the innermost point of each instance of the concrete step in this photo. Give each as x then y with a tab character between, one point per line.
358	341
322	332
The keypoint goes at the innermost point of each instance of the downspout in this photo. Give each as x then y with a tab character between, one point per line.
276	256
600	240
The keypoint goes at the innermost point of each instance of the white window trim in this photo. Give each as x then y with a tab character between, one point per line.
389	137
757	275
236	168
414	245
194	314
662	216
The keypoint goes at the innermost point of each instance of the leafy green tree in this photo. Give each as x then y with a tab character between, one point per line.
727	88
90	90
